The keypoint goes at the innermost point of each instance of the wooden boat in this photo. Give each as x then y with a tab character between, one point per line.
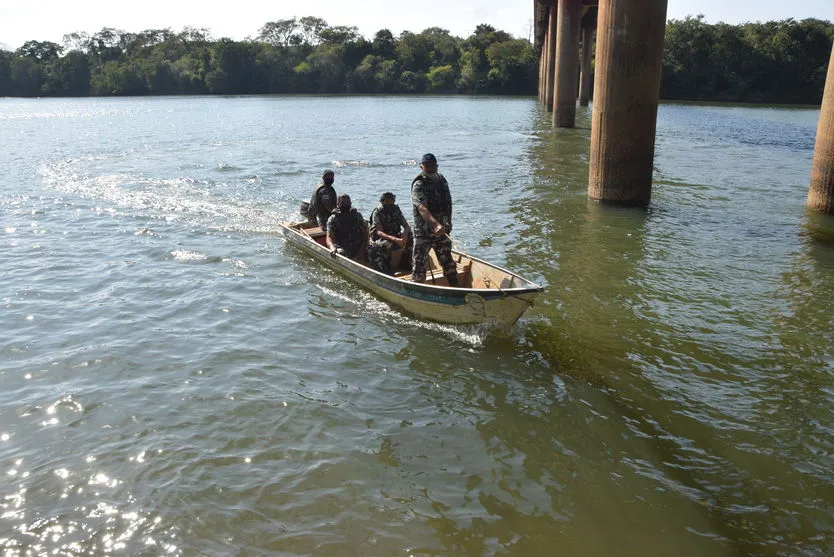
486	293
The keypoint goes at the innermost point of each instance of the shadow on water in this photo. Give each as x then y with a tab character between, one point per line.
568	459
635	403
819	229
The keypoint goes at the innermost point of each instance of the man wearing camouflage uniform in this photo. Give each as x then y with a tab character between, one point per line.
323	200
389	231
347	233
432	221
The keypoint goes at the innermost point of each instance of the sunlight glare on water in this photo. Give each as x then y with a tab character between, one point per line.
176	380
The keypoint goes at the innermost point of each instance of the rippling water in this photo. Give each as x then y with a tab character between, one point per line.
175	380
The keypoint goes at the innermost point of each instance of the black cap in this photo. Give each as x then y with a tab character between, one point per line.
328	172
428	157
387	195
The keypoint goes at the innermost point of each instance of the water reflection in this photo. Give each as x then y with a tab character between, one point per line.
672	366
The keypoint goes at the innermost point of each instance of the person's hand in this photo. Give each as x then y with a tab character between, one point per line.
400	242
438	229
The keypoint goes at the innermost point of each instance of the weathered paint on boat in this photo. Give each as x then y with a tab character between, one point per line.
503	304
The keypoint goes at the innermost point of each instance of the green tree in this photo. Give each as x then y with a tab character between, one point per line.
327	68
283	32
474	66
6	85
43	51
384	44
116	78
311	28
387	77
27	76
68	76
513	67
412	82
363	79
441	79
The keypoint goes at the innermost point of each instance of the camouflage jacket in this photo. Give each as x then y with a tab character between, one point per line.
322	202
434	194
347	230
387	219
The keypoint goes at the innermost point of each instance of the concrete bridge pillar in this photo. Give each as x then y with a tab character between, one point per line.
550	74
821	194
541	75
629	57
585	65
567	60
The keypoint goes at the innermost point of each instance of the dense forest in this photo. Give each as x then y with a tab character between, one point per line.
776	61
782	61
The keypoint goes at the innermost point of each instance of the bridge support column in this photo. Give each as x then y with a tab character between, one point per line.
541	74
629	53
821	194
567	59
585	66
550	68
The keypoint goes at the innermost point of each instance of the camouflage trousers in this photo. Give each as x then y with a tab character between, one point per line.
442	249
379	255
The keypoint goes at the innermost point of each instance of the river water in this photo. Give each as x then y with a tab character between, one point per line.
175	379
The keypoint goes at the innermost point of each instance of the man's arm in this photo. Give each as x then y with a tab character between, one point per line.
331	244
406	230
448	207
376	227
388	237
418	199
436	227
312	209
365	238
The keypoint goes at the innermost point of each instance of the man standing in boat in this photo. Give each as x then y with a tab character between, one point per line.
347	233
323	201
432	221
389	231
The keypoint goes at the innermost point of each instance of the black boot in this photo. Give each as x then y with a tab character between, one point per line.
452	279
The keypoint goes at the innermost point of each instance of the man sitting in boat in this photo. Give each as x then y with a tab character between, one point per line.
347	233
432	221
323	201
389	231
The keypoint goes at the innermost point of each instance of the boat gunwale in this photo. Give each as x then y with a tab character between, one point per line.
448	291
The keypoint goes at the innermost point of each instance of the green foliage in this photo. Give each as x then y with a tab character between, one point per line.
781	61
384	43
777	61
280	33
510	63
441	79
412	82
42	51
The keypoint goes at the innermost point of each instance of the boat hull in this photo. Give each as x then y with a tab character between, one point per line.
433	303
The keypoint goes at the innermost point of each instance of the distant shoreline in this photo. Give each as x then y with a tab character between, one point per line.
782	62
809	106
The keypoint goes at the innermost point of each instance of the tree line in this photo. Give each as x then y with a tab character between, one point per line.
775	62
298	55
778	61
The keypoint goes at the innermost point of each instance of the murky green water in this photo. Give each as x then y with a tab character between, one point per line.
174	379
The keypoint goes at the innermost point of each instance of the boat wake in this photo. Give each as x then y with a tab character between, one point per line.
367	304
182	199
